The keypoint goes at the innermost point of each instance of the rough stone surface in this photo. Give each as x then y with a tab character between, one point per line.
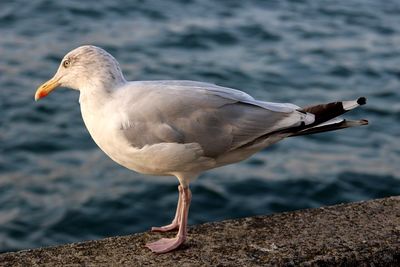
357	234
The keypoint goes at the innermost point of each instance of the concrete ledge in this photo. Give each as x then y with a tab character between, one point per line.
357	234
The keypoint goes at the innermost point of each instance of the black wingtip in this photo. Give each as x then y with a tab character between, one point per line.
362	101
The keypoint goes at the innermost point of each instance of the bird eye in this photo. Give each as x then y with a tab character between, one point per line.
66	63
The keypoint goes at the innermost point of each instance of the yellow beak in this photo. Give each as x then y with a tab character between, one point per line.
46	88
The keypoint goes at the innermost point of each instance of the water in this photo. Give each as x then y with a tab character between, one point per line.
56	186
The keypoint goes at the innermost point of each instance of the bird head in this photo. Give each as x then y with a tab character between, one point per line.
87	66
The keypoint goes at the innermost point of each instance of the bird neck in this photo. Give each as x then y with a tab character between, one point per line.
96	95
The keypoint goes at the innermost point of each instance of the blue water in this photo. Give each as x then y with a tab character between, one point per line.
56	186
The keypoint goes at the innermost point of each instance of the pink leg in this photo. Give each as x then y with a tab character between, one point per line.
168	244
175	222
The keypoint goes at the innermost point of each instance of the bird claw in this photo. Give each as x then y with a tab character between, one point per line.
165	228
165	244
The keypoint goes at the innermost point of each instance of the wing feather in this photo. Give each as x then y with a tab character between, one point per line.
219	119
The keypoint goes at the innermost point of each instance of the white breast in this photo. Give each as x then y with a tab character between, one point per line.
159	159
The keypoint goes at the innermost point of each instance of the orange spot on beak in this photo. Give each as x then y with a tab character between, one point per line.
42	94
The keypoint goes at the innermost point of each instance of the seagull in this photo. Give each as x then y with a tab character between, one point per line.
180	128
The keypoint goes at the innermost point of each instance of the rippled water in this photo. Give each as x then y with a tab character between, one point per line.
56	186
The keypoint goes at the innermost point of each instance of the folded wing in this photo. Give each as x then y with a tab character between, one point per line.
219	119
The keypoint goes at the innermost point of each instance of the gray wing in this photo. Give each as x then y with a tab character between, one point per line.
224	92
218	118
